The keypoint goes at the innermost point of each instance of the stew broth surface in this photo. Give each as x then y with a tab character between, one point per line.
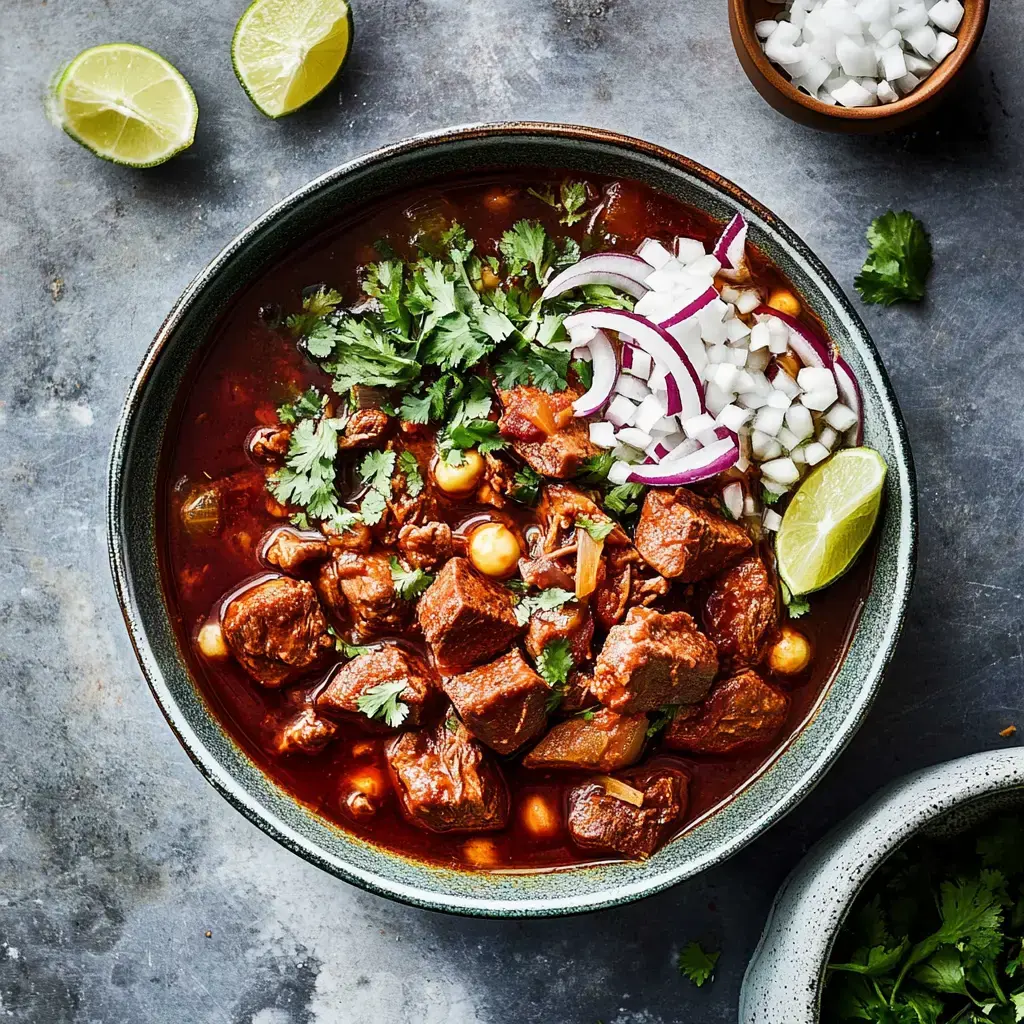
249	368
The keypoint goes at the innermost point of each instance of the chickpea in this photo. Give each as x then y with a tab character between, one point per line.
539	816
494	549
460	479
790	654
211	642
784	301
480	853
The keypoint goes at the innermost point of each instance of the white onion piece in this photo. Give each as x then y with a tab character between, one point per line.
632	387
606	369
700	465
619	270
621	411
602	433
849	392
685	394
811	349
730	249
653	252
732	498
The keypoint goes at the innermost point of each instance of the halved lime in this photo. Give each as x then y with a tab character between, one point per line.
829	519
126	104
286	52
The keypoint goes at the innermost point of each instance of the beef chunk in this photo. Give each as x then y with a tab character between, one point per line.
741	713
607	824
558	508
277	631
357	537
269	445
740	613
571	622
360	595
304	733
291	551
683	537
503	703
446	781
653	658
604	743
427	546
388	664
465	617
365	429
543	573
558	454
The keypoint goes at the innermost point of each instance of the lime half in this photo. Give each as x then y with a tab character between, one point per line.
286	52
829	519
127	104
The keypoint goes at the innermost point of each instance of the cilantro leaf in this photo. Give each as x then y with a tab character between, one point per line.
307	477
594	469
408	465
347	650
527	363
597	528
624	499
372	508
770	497
899	259
526	486
525	246
409	583
385	282
356	351
584	370
376	469
306	405
574	198
381	702
547	600
316	305
696	964
553	666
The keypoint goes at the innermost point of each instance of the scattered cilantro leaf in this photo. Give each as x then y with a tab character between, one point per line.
584	370
597	528
306	405
347	650
796	607
316	305
372	508
307	477
624	500
381	702
527	363
408	465
409	583
899	259
554	665
452	723
376	469
594	469
696	964
770	497
524	247
526	486
574	198
544	601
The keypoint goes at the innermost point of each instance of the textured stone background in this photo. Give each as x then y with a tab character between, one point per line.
115	858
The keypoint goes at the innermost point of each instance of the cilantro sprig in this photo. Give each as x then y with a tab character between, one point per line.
409	583
381	702
543	601
898	260
697	964
554	664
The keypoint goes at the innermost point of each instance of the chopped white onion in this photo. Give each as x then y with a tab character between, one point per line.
732	498
653	252
779	400
602	434
698	424
841	417
634	437
799	421
632	387
828	437
769	420
813	453
651	410
760	336
621	411
732	417
781	471
771	520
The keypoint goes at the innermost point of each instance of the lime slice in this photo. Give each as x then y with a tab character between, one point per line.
286	52
829	519
126	104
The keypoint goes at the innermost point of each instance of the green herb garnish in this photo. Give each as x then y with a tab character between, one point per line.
526	485
408	466
381	702
662	718
554	665
545	601
409	583
898	261
597	528
696	964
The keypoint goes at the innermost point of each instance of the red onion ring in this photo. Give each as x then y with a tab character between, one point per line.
622	271
812	349
729	248
849	392
606	370
702	464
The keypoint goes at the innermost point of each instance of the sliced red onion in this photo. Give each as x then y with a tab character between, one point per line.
627	357
849	392
708	462
606	369
621	271
730	249
685	392
810	347
691	308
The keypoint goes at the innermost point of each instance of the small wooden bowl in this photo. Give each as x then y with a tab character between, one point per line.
779	91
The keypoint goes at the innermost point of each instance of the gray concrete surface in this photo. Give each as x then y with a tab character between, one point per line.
115	858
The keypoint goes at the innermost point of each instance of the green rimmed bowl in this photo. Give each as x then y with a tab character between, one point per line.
134	547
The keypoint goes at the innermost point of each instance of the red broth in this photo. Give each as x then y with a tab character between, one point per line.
249	368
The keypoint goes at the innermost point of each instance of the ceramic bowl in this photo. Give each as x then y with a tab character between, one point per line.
786	98
135	549
784	980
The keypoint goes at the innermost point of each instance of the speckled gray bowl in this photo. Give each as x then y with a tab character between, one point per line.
783	983
134	546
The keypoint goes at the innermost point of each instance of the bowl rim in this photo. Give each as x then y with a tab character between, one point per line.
825	884
605	895
973	24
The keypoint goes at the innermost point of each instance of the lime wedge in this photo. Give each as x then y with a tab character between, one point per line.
830	519
286	52
126	104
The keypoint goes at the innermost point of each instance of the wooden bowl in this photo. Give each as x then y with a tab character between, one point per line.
774	85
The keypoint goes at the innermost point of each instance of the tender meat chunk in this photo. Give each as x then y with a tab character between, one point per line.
304	733
559	506
466	617
358	537
497	482
503	703
577	693
365	429
598	821
742	712
427	546
446	781
604	743
269	445
360	595
683	537
558	453
741	613
653	658
277	631
543	573
572	622
388	664
611	597
291	551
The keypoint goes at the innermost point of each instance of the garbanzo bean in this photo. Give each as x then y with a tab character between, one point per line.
539	816
790	654
212	643
460	479
494	549
784	301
